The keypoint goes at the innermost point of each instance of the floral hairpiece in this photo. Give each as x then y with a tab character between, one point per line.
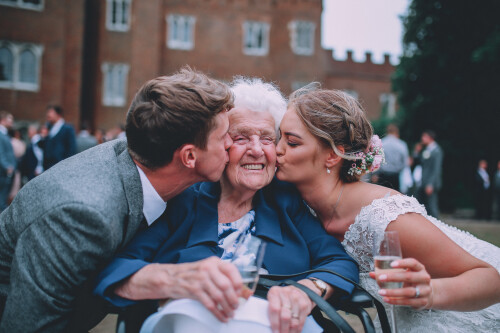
369	161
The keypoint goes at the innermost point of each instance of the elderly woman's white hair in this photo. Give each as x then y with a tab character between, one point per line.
259	96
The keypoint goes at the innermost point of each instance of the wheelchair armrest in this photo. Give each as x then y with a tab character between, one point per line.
361	298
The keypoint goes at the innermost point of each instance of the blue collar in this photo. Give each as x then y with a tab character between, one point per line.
205	228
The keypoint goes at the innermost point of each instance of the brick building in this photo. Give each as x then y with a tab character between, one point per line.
91	56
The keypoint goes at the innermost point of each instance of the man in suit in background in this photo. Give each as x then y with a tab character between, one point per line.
85	140
7	158
66	224
482	191
396	159
431	160
61	141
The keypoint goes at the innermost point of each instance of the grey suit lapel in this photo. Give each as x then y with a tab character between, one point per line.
133	192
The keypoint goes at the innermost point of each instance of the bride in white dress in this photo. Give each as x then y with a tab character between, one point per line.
451	279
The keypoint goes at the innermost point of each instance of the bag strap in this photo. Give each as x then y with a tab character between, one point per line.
384	321
323	305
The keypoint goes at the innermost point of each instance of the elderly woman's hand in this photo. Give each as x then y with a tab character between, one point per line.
417	289
288	309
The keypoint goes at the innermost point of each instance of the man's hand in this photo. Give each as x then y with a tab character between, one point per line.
212	282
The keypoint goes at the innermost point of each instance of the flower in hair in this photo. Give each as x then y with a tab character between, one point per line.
369	161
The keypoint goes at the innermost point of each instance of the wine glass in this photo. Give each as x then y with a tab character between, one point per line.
248	258
385	253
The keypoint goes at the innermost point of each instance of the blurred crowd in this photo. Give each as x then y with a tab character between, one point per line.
27	151
419	174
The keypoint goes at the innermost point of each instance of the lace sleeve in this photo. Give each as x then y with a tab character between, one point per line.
370	224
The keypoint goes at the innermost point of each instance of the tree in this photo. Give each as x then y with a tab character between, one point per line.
448	80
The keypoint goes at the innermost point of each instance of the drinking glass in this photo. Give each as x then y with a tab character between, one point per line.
388	251
248	258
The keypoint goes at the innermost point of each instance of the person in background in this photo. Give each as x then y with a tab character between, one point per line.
7	158
60	142
65	225
396	159
482	187
19	150
496	190
32	161
432	164
84	139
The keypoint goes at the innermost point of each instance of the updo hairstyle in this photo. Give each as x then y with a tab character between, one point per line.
337	120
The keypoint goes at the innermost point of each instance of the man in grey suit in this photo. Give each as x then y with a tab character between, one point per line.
66	224
7	158
431	160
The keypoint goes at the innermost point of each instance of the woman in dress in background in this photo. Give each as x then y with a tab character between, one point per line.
326	145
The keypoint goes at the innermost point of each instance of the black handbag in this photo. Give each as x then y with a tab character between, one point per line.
355	304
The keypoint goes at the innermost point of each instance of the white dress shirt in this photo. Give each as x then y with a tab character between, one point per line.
154	205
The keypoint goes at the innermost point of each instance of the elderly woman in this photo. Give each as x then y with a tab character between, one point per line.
206	219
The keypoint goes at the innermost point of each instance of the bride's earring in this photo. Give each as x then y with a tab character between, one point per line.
328	171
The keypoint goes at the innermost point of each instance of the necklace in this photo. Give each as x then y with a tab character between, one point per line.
335	206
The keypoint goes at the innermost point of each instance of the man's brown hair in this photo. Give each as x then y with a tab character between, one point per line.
170	111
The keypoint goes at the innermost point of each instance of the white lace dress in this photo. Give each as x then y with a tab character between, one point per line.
368	227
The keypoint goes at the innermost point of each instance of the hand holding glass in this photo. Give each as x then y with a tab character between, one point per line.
248	258
388	251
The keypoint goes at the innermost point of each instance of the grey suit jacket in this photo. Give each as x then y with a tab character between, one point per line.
432	165
62	228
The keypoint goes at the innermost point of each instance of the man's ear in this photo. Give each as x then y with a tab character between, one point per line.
332	158
187	155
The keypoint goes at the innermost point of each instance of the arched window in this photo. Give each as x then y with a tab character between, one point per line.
27	67
6	64
20	65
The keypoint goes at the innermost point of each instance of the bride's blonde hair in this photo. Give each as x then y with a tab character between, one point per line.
336	119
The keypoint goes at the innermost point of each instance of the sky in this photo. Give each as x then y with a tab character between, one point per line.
363	25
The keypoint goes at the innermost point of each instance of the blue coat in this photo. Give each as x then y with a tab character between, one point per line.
189	231
60	146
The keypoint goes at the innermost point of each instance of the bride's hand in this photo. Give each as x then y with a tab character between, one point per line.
417	288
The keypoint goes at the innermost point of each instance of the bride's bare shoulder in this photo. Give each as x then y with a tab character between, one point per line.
367	192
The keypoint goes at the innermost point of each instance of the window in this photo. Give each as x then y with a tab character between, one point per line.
25	4
180	34
118	15
388	104
302	37
255	38
20	65
115	84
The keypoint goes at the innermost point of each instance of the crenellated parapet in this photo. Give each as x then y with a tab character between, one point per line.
352	68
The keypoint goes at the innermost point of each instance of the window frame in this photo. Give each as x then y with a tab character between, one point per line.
388	99
186	21
118	26
248	27
23	5
294	27
111	98
16	49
